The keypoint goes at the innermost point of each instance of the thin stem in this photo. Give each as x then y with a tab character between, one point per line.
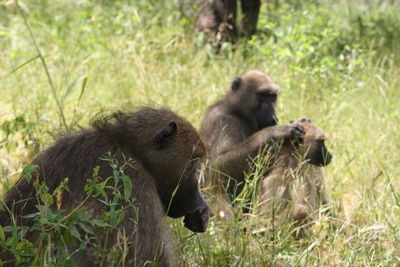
53	90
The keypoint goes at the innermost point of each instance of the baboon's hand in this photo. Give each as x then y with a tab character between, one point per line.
294	131
198	220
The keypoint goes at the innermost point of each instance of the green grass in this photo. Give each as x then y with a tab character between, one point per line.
337	62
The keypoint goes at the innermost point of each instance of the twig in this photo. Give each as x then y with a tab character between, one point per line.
201	249
69	214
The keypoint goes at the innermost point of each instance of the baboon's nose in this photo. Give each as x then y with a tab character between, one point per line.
327	158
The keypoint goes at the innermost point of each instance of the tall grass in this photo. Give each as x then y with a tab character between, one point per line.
338	63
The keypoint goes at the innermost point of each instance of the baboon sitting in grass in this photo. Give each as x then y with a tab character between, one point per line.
236	129
165	152
296	182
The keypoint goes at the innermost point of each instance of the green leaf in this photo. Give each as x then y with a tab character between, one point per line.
68	91
127	186
24	247
8	229
2	235
68	238
35	261
23	64
87	228
28	171
100	223
46	198
71	86
30	216
43	236
75	232
84	82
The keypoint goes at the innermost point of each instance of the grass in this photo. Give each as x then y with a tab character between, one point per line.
338	63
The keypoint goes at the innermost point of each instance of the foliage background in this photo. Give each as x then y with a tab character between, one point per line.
337	61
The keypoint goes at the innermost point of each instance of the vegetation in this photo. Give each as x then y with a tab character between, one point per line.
338	63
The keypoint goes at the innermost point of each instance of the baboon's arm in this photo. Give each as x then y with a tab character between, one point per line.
233	155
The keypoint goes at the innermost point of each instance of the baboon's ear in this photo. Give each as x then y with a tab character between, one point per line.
162	138
305	120
236	84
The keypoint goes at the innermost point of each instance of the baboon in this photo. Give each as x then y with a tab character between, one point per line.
236	128
219	18
166	152
296	183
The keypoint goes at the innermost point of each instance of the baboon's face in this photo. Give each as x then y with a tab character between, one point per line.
176	161
255	96
314	144
318	154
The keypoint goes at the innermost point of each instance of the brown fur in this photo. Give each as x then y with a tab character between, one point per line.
236	128
295	184
165	150
219	19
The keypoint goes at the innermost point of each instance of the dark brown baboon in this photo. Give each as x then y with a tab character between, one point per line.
219	18
296	183
165	150
237	127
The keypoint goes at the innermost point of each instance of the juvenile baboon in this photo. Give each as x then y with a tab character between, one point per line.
165	151
236	128
296	183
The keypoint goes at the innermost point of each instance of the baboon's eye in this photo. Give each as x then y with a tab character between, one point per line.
273	97
264	97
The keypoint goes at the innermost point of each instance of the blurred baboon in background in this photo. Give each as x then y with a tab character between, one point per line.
165	151
218	17
296	183
236	128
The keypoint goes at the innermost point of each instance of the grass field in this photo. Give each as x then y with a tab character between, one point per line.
337	62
